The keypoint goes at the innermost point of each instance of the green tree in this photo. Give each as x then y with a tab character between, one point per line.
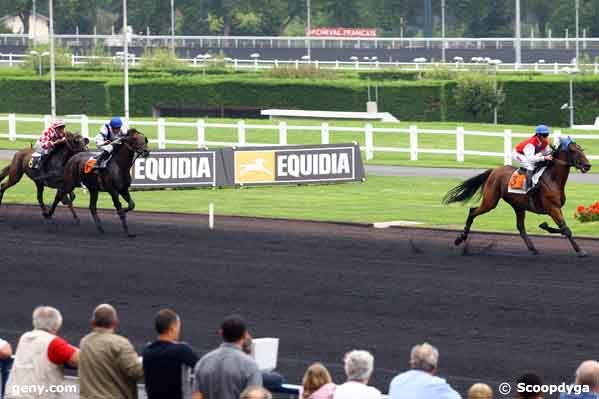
475	93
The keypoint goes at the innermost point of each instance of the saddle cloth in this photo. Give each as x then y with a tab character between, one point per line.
89	165
517	183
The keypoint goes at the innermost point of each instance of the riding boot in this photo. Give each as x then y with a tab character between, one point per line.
102	160
529	174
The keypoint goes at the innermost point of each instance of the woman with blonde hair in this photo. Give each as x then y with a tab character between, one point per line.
317	383
480	391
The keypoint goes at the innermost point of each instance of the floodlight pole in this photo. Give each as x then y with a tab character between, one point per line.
577	31
443	30
52	61
518	44
173	27
309	26
126	60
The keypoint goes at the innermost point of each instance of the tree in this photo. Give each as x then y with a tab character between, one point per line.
475	93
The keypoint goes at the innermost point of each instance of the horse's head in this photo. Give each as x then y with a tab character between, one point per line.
76	142
137	142
573	154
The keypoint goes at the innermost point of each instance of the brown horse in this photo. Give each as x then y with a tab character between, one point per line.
547	198
115	179
53	170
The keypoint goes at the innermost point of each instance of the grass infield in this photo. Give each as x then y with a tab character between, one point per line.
378	199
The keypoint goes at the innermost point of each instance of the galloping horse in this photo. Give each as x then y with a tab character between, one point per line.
54	164
547	198
115	179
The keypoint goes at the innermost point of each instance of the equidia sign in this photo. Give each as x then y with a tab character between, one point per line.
249	166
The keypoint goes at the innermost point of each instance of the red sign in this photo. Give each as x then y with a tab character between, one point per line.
343	32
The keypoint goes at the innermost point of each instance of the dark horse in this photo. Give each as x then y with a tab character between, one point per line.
115	179
53	172
547	198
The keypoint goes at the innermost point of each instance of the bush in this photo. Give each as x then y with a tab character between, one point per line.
160	58
476	93
62	57
302	72
590	214
389	74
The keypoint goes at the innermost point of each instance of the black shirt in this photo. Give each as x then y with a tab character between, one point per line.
164	363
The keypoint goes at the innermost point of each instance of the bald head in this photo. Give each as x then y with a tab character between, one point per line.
588	374
104	316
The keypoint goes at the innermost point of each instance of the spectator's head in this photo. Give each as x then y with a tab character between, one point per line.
47	318
480	391
105	317
532	384
233	330
168	325
255	393
424	357
588	374
358	366
316	376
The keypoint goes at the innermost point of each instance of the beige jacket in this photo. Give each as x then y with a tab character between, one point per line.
109	367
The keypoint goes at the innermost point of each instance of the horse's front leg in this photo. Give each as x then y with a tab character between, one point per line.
558	218
60	195
121	212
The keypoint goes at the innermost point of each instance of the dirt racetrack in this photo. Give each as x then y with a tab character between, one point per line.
322	288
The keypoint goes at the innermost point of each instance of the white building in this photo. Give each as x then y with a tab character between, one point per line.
38	27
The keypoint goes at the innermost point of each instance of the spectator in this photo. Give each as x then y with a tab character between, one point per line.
358	368
271	380
421	381
5	350
109	366
226	371
41	355
587	374
317	383
255	393
167	362
533	383
480	391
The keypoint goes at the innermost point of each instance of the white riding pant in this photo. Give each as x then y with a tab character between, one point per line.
108	148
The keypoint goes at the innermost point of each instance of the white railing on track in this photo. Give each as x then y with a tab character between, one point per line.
9	59
241	128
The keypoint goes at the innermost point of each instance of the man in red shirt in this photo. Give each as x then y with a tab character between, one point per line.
533	150
41	356
53	135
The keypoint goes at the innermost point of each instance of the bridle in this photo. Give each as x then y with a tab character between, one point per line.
138	152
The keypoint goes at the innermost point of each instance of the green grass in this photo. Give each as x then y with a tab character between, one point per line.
436	141
378	199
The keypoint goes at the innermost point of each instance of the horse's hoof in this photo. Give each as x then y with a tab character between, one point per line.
458	241
77	222
582	254
100	230
534	252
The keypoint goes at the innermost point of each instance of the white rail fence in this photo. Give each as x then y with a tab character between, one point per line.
370	63
367	132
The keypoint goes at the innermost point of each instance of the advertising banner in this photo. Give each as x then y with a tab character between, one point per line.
343	32
164	169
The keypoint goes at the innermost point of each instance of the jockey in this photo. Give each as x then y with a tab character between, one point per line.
53	135
533	150
109	133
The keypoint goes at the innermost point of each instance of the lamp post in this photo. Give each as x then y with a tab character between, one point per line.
518	44
52	61
571	72
443	30
34	21
577	6
126	61
495	64
39	59
309	23
173	27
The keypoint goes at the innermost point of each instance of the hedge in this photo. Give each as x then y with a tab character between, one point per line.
529	99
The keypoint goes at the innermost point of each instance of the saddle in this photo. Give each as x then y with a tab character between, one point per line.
519	184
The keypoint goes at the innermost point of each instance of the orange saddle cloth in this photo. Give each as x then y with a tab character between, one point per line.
89	166
517	181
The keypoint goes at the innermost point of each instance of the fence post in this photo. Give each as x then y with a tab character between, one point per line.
556	136
413	143
369	141
459	136
72	59
12	127
161	134
324	134
241	133
47	121
283	133
201	128
507	147
85	126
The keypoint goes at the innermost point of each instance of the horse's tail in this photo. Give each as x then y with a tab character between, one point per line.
467	189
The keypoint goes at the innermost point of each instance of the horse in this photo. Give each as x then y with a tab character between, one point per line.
547	198
54	164
115	179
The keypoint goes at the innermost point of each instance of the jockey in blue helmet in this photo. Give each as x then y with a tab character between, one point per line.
533	150
109	132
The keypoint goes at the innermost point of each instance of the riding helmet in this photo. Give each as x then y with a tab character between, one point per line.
116	123
542	130
58	123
